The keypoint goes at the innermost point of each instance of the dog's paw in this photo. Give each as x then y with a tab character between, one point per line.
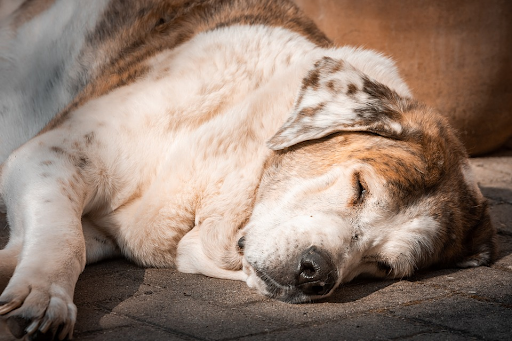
36	312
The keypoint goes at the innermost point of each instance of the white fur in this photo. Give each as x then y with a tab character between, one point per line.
156	167
39	69
402	238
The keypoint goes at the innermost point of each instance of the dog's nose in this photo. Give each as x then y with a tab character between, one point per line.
316	274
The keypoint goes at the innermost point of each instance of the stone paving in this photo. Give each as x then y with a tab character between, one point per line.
119	301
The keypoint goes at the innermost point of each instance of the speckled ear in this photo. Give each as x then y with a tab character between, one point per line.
336	97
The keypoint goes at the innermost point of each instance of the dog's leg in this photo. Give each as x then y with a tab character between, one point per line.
44	191
191	258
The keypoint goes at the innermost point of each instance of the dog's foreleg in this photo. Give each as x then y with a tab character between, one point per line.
44	192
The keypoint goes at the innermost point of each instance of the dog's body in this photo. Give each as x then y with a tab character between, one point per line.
139	129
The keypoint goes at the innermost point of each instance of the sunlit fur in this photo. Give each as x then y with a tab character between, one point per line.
164	131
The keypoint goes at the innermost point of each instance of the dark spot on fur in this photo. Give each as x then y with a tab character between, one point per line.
377	90
334	86
331	86
89	138
310	111
82	162
352	89
383	103
58	150
312	80
160	22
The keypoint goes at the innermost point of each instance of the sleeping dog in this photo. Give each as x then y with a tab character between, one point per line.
229	138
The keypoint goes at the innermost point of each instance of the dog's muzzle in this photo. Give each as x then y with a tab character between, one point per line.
310	275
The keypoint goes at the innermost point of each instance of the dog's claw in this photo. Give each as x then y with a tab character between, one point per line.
45	326
38	312
10	306
66	333
32	328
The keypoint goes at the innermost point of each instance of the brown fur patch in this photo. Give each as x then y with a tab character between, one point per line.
352	89
130	34
386	102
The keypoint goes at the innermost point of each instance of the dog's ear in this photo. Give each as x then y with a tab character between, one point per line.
336	97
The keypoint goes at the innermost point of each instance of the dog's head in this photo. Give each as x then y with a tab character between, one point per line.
362	181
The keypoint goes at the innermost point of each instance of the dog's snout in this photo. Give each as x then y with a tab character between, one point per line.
316	274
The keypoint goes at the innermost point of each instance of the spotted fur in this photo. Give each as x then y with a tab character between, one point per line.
223	137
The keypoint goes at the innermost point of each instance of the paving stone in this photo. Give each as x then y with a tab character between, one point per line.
365	327
494	175
110	282
136	332
229	293
504	246
483	283
492	170
189	316
441	335
360	297
471	317
504	263
92	318
501	217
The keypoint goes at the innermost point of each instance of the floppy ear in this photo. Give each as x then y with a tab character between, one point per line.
336	97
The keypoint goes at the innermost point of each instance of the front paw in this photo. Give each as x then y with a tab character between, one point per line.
38	312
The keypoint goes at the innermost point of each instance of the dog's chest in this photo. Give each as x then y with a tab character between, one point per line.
194	129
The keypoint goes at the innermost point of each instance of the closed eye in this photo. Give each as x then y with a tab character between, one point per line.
361	189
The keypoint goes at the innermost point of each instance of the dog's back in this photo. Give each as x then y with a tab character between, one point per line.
62	55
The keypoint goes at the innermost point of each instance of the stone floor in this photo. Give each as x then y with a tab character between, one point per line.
119	301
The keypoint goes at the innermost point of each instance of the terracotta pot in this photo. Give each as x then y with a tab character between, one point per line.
455	55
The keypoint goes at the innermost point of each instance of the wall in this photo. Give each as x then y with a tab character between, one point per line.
455	55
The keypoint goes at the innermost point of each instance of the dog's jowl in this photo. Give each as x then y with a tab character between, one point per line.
227	138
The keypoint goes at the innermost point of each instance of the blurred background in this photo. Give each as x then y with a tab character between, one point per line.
455	55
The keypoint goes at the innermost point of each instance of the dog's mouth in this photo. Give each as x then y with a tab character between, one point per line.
296	293
313	277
